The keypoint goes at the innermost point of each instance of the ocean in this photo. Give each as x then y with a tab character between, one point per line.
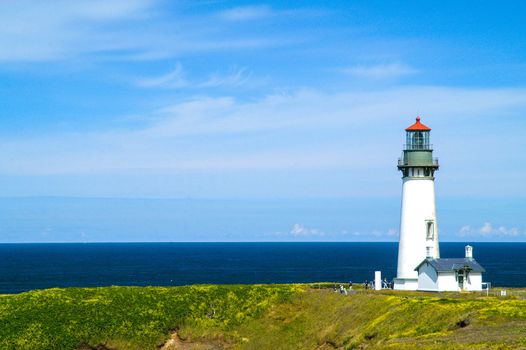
36	266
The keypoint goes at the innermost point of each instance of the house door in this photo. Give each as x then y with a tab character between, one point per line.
461	279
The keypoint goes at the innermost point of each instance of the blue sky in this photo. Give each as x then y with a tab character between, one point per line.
274	110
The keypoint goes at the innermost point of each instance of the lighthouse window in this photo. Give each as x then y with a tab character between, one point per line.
430	230
426	172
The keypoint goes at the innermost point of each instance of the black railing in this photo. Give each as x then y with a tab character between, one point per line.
418	147
402	162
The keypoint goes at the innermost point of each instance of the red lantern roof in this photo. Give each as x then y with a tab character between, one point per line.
418	126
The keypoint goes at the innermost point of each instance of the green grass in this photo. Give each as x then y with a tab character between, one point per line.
132	317
258	317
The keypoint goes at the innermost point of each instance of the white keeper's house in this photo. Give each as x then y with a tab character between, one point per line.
419	264
453	275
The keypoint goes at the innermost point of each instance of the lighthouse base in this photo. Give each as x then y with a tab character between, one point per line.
405	283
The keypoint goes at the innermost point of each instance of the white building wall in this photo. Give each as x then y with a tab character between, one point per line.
418	206
406	283
447	282
474	281
427	278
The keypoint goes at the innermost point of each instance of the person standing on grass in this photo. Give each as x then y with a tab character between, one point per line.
350	285
366	285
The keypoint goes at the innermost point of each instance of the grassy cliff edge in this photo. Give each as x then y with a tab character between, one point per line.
257	317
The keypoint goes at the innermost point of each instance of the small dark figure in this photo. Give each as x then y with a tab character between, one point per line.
341	288
366	285
385	285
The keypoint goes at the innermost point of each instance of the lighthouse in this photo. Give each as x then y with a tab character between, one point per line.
418	224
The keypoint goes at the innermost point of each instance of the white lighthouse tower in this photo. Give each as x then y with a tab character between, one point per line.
418	225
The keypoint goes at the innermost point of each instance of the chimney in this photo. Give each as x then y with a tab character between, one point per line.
469	252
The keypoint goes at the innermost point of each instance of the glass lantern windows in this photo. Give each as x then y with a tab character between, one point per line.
417	140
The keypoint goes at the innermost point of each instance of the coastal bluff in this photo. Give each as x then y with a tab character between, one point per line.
290	316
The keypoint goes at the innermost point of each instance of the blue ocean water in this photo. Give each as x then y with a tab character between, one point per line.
35	266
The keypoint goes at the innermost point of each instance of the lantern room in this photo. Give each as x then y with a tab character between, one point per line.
417	136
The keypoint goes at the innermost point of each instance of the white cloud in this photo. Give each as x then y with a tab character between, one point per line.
299	130
246	13
298	230
380	71
313	109
488	230
465	230
392	232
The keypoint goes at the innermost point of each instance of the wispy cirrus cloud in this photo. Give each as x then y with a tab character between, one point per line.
235	77
380	71
120	30
246	13
173	79
176	79
37	31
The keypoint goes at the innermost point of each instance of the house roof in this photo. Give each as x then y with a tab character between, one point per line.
453	264
418	126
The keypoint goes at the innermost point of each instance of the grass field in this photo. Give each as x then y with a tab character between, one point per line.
257	317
